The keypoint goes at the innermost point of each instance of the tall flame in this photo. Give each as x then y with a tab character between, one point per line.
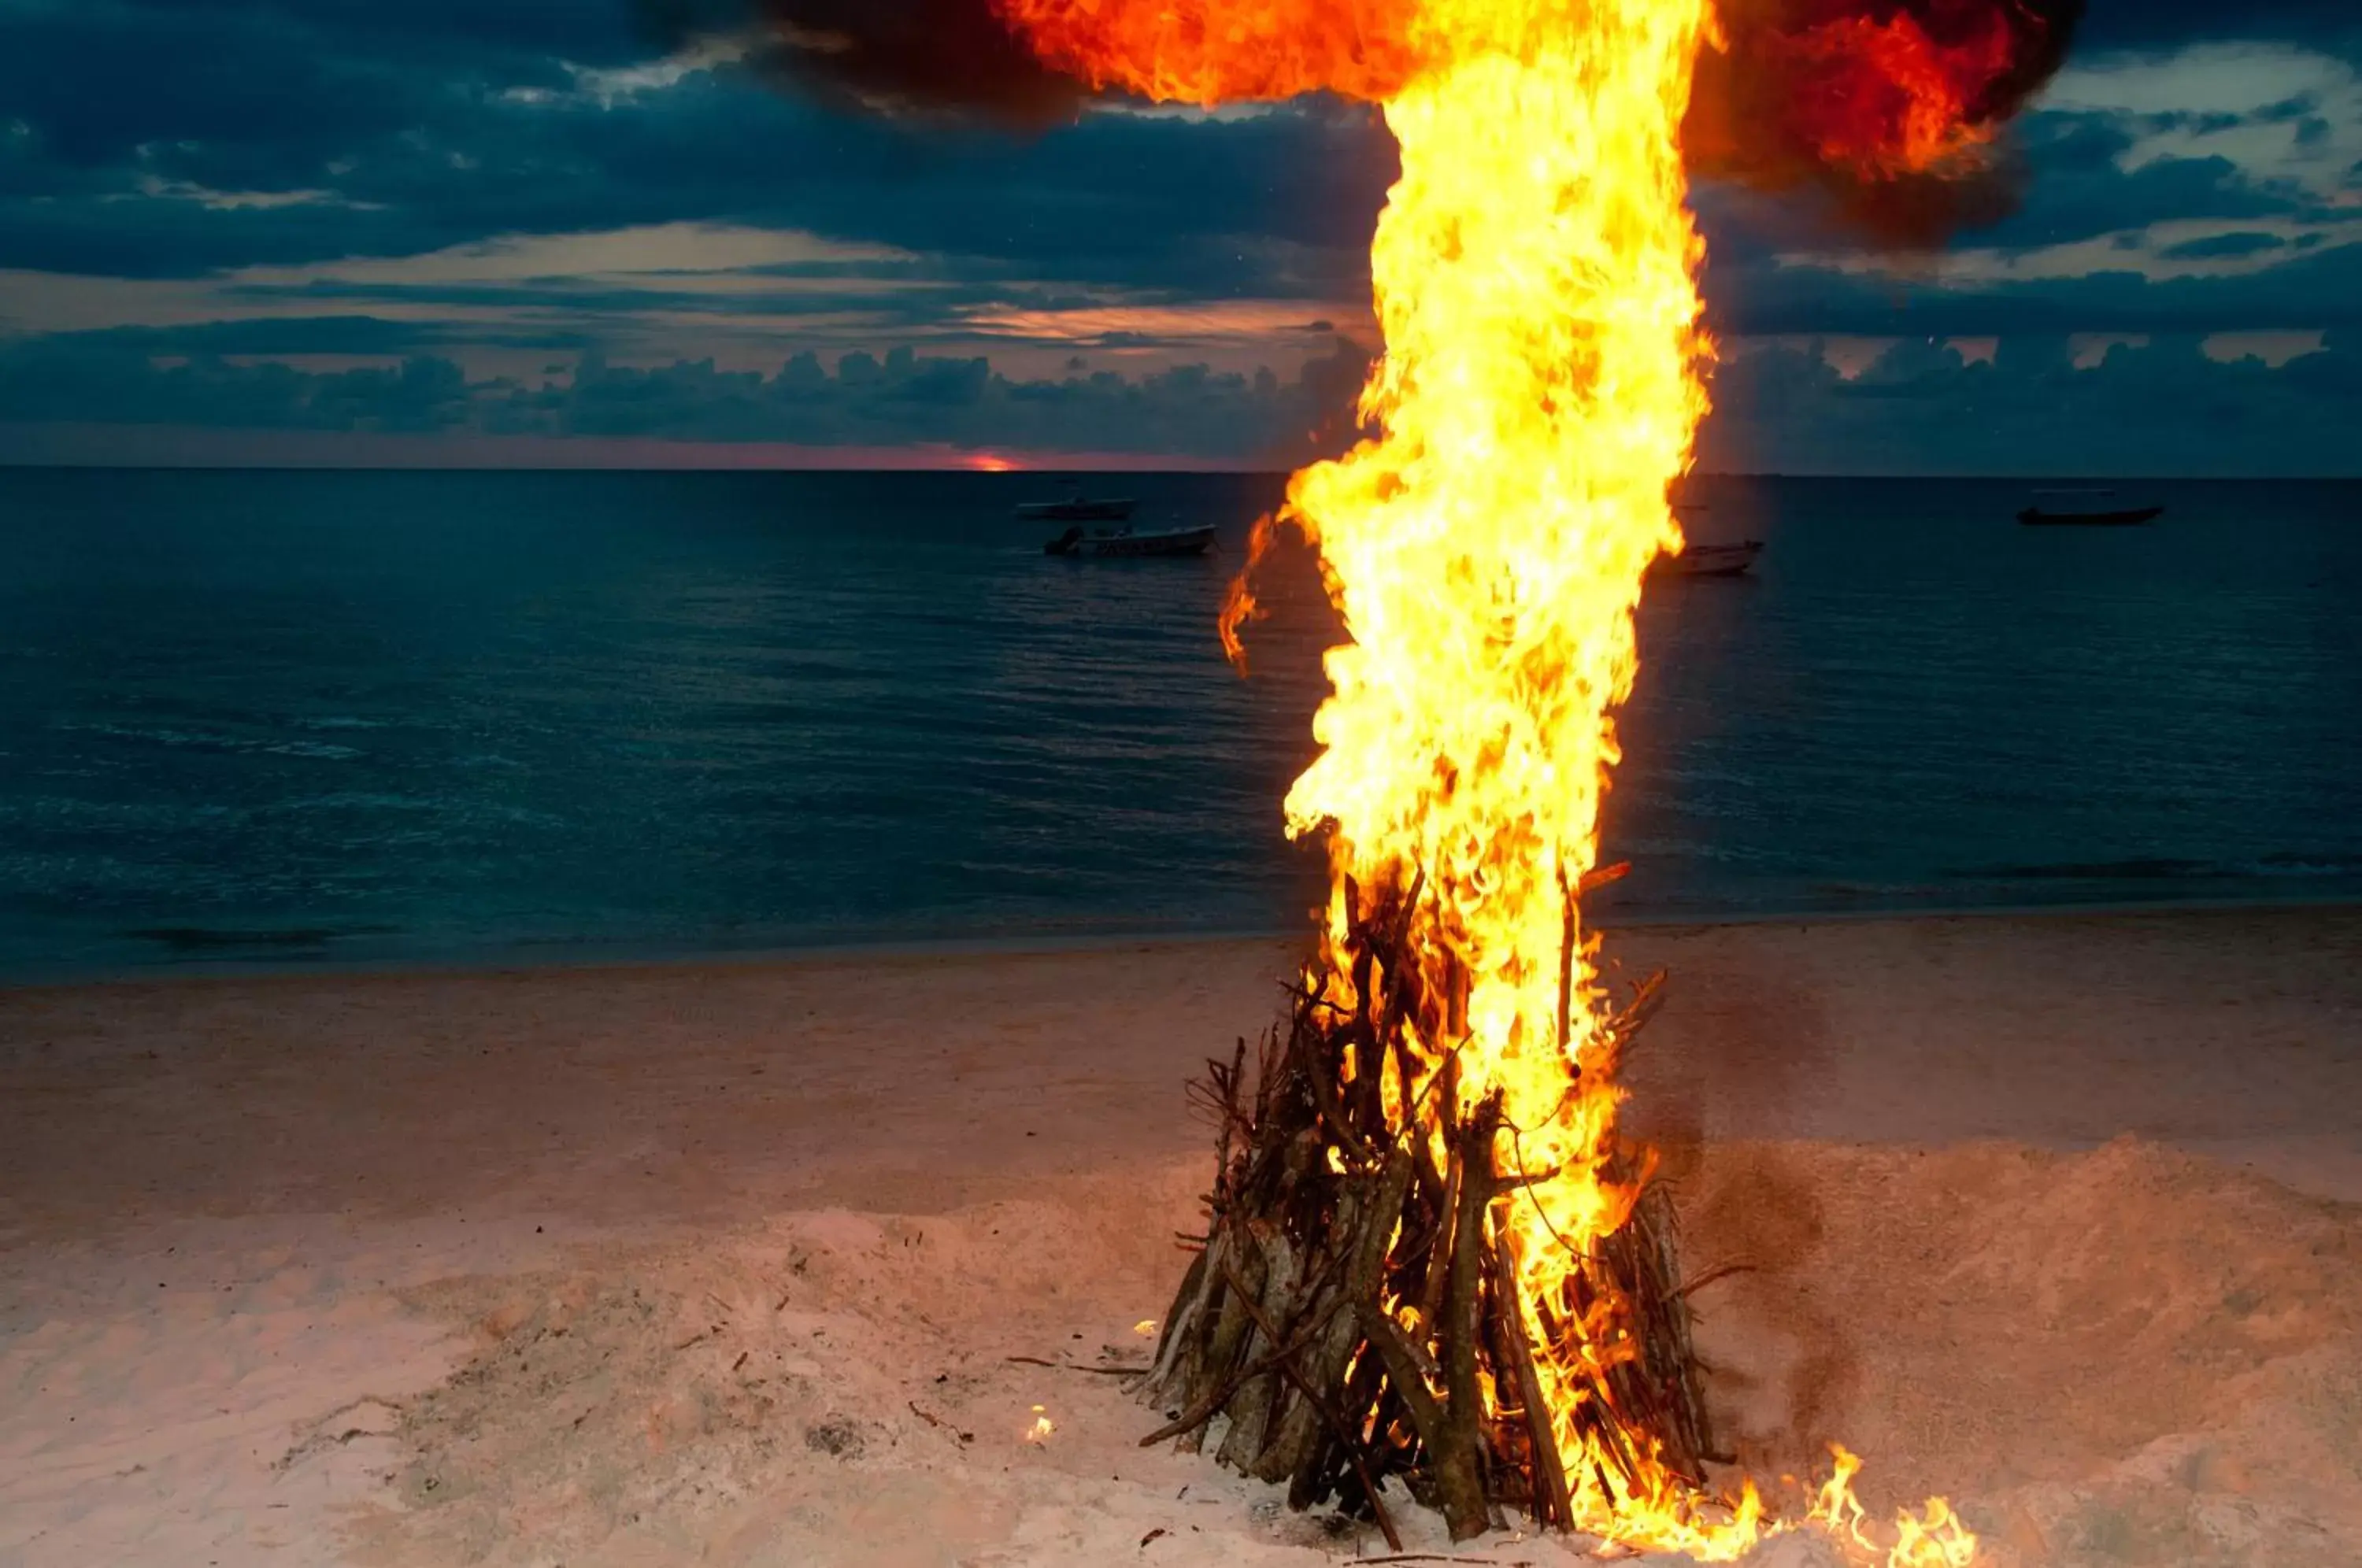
1535	279
1535	276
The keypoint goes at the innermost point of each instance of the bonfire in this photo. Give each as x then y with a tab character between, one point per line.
1431	1252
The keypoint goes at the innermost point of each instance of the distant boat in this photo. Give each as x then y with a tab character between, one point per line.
2085	508
1078	508
1708	561
1123	542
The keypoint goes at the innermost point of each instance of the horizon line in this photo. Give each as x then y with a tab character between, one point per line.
1092	463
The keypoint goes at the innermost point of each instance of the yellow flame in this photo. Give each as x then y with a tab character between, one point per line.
1042	1426
1835	1507
1932	1538
1534	277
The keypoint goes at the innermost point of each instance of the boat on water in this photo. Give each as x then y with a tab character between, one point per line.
1708	561
2085	508
1076	507
1125	543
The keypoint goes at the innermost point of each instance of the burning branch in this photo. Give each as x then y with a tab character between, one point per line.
1359	1311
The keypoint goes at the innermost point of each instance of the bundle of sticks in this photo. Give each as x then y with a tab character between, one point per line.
1355	1313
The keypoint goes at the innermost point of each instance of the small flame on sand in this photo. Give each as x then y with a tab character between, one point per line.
1932	1537
1145	1328
1042	1426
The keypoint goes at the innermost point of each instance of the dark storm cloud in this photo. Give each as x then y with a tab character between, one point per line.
437	124
2320	287
96	82
133	237
119	383
463	36
2157	24
344	336
1919	409
931	303
418	158
2163	408
359	334
2077	187
864	400
2080	189
137	134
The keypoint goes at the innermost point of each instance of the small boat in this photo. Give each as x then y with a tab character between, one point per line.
1708	561
2086	508
1123	542
1078	508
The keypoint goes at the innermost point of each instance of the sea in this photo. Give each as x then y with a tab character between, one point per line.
306	718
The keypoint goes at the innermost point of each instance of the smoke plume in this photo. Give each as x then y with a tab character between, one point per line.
1891	110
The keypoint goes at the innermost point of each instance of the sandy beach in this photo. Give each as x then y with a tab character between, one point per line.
727	1263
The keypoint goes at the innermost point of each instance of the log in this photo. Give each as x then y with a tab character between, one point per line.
1553	1502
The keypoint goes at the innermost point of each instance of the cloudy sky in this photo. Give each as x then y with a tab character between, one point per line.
538	231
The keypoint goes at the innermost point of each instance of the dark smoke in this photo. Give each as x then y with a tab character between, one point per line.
1760	116
949	59
1763	109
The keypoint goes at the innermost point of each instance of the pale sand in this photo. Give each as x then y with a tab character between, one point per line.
661	1265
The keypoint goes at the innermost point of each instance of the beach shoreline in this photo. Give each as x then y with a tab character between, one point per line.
277	1251
539	957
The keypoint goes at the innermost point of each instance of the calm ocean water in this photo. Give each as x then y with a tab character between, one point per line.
290	717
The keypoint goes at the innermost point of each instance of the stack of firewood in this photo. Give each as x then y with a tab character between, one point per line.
1353	1312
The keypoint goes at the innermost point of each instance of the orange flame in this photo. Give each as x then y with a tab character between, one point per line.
1206	52
1239	605
1534	277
